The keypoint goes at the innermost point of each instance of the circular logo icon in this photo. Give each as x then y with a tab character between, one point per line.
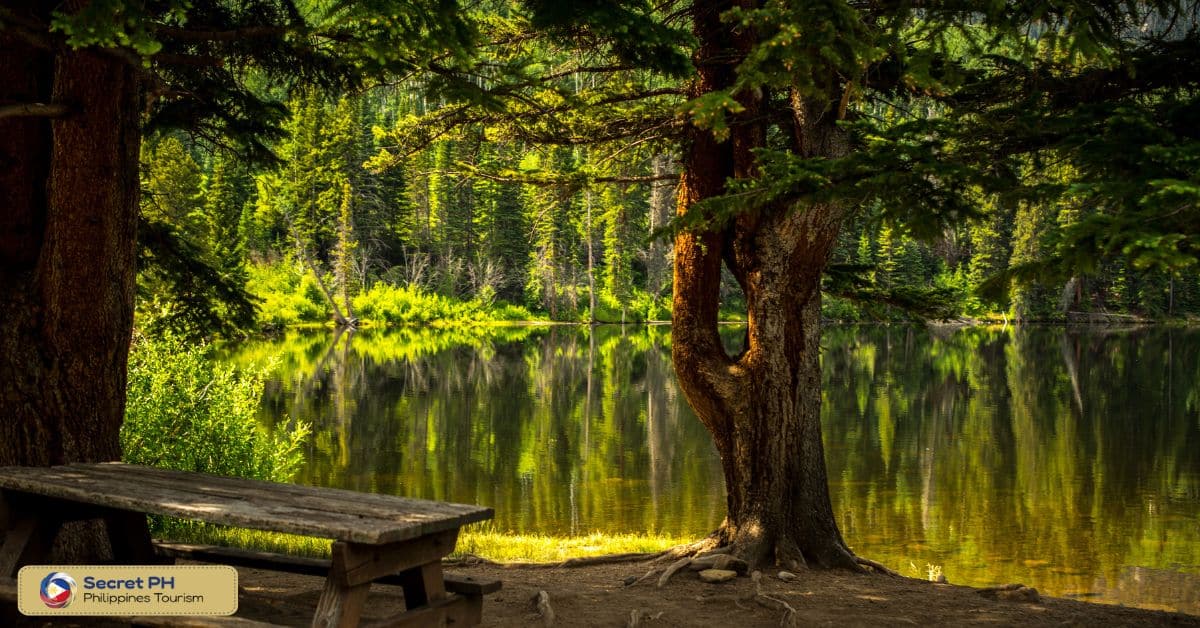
57	589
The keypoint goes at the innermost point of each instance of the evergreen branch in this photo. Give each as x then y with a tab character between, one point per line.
28	30
165	58
566	180
231	35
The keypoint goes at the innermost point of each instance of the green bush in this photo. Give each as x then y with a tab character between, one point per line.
395	305
185	413
288	297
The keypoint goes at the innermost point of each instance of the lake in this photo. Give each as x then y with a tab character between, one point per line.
1068	460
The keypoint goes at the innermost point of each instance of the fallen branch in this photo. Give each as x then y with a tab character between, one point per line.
33	110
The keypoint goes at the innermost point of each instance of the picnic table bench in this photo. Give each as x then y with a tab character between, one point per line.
376	538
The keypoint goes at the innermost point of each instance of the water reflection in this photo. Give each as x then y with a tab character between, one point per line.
1066	460
560	431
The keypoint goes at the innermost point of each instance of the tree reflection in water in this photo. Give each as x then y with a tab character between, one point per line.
1066	460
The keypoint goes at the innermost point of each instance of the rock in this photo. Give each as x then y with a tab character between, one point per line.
630	580
716	576
787	576
941	579
729	563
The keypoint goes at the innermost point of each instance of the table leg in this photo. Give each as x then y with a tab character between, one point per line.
28	538
341	602
129	535
423	585
418	565
27	541
340	605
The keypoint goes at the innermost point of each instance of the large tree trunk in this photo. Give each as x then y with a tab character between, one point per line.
66	254
763	405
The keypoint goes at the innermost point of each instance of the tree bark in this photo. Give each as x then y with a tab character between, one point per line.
762	406
67	257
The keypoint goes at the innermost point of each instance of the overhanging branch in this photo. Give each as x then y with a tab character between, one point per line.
236	34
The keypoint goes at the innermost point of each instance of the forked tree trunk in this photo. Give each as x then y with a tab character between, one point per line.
762	406
67	264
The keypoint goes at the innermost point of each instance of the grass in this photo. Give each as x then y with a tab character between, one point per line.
481	541
541	548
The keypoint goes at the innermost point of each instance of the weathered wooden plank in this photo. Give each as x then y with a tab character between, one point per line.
427	514
112	488
366	563
452	610
470	585
318	498
455	583
333	499
181	487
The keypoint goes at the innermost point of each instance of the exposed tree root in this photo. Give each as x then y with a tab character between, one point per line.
867	562
609	559
790	618
711	544
542	602
670	571
469	560
636	616
653	570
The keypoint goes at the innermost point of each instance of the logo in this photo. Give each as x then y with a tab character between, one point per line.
57	589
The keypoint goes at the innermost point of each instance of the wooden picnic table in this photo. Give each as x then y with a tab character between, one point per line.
375	537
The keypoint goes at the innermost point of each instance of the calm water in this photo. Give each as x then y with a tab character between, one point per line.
1065	460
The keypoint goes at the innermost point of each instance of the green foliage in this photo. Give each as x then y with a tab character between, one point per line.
470	180
185	413
402	305
288	296
190	255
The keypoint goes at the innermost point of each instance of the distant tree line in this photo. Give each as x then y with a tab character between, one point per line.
345	209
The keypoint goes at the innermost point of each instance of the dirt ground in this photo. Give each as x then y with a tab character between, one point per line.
597	596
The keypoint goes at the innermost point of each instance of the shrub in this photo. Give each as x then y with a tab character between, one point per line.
288	296
185	413
394	305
